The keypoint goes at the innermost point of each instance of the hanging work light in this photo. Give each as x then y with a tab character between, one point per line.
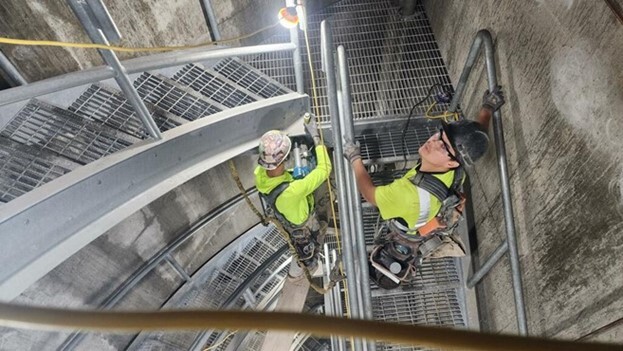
288	17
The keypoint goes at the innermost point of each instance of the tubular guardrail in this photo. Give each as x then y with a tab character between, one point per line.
483	37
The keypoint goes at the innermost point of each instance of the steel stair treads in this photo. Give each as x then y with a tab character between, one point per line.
392	60
65	133
110	107
253	79
175	98
23	168
215	86
213	287
277	65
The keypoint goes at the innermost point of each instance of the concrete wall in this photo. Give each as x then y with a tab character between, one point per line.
92	274
141	23
561	66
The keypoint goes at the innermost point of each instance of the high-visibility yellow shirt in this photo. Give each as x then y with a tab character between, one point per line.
401	199
297	201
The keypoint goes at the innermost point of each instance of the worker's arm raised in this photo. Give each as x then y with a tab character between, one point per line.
315	178
491	102
364	182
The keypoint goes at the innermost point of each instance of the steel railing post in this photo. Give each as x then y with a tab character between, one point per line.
340	175
13	77
348	131
83	12
210	16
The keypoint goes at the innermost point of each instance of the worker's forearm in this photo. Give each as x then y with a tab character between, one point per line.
484	116
364	182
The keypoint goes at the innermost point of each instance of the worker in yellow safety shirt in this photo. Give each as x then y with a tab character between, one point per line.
422	209
291	200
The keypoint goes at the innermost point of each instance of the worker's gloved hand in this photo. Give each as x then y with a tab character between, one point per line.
312	128
351	151
493	100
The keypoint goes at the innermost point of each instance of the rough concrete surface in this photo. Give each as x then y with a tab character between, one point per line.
141	23
561	66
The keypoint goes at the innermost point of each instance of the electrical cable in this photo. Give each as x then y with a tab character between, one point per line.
29	42
404	131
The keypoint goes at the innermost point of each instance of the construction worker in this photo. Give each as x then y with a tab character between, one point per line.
423	208
291	200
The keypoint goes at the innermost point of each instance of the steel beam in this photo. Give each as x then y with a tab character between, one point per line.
42	228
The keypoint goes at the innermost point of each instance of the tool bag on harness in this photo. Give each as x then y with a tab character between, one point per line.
304	236
403	249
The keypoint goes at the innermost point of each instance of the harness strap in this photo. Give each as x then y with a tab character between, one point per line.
431	184
271	202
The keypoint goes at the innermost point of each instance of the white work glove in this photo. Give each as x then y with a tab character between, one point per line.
351	151
312	129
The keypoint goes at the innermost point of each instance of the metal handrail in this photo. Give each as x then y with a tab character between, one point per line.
136	65
483	37
340	177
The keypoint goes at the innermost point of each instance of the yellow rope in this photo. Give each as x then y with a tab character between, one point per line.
317	112
444	115
12	41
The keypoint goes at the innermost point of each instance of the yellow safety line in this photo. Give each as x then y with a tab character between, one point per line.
28	42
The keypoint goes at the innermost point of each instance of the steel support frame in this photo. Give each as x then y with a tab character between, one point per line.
483	37
47	225
96	28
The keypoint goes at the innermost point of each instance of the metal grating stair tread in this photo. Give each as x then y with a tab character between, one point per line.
24	168
223	282
65	133
251	78
277	65
214	86
110	107
175	98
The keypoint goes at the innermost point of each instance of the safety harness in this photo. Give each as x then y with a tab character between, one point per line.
404	248
335	274
304	235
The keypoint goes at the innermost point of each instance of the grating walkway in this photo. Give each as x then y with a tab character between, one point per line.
393	61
